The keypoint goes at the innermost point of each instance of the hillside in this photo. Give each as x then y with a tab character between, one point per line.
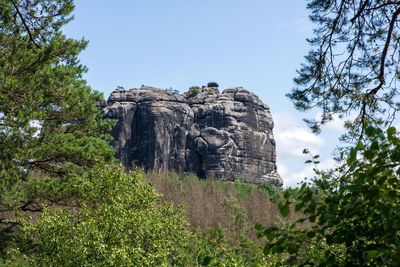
209	203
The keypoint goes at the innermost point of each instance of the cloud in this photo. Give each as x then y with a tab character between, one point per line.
292	138
293	141
337	124
293	179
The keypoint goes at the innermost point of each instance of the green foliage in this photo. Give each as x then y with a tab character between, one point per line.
270	191
212	84
238	216
50	127
193	91
214	249
117	224
355	212
169	91
353	65
172	91
243	189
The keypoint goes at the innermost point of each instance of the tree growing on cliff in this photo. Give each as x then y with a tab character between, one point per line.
50	127
354	63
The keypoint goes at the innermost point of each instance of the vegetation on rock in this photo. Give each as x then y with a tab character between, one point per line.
193	91
212	84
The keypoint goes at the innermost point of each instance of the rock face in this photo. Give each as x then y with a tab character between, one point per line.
217	135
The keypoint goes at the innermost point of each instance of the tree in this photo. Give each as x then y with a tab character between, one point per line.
117	224
354	63
354	211
50	127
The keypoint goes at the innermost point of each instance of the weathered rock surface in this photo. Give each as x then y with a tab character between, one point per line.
211	134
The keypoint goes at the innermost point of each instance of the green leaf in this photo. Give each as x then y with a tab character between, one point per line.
370	131
285	209
391	131
270	236
359	146
372	254
311	234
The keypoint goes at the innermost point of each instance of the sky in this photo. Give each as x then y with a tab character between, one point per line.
257	44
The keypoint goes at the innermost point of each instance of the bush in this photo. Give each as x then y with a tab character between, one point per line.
212	84
193	91
355	212
117	224
243	189
215	249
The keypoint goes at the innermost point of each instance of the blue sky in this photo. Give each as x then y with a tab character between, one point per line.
256	44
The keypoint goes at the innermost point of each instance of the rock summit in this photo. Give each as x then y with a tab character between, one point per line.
222	135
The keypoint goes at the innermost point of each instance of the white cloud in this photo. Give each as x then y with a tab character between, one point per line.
291	142
337	124
282	170
293	179
292	137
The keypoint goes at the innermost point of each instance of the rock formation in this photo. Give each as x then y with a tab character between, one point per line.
217	135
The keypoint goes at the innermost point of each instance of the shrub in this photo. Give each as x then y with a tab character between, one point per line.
243	189
193	91
215	249
172	91
117	224
355	210
212	84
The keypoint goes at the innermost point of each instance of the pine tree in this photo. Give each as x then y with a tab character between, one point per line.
353	66
50	127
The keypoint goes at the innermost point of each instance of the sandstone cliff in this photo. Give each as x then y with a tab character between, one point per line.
217	135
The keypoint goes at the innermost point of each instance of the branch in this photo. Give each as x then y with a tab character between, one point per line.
381	75
362	7
25	25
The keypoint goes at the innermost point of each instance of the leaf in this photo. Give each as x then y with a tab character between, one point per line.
372	254
285	210
352	156
360	146
270	236
311	234
391	131
370	131
206	260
